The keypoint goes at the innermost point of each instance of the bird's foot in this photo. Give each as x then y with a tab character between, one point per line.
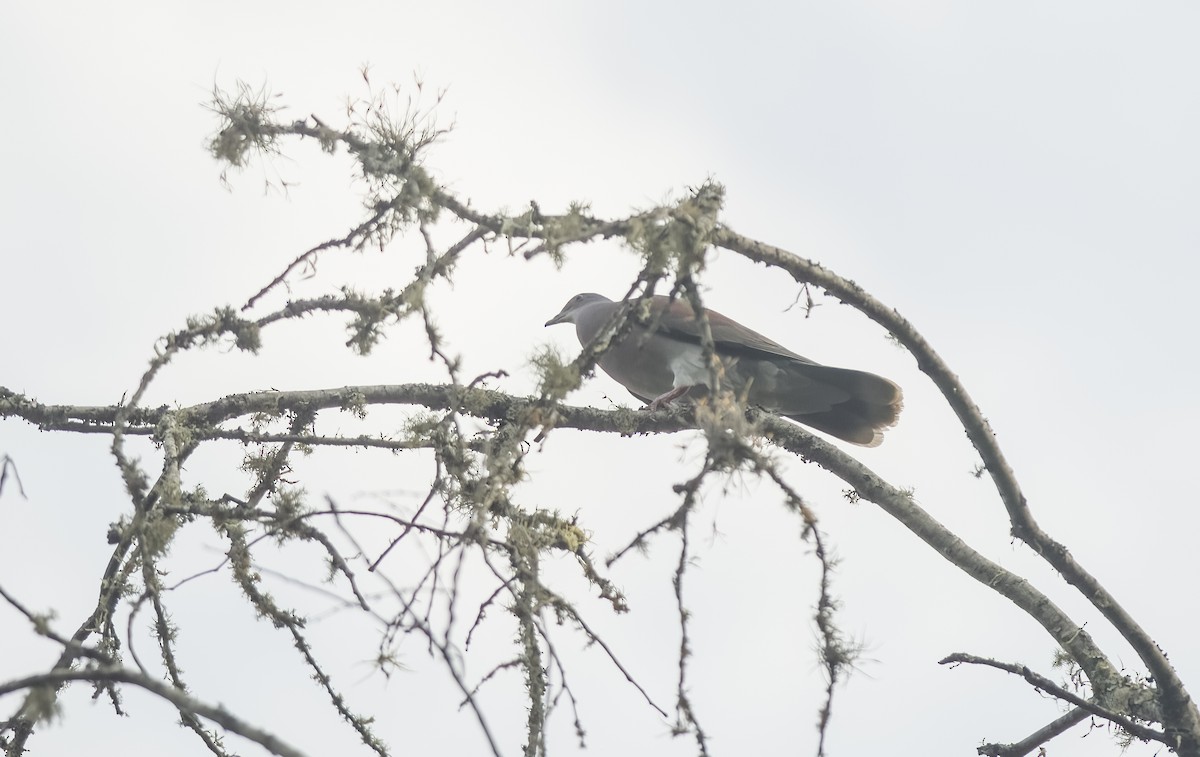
665	399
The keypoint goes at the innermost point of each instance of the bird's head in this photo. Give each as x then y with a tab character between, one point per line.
570	311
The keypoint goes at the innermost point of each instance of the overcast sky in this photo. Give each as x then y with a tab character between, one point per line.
1020	180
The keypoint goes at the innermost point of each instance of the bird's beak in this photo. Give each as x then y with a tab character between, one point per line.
562	317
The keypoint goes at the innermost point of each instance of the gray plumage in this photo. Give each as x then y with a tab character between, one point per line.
664	360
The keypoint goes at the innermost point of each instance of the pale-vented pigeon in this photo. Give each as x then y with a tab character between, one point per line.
664	360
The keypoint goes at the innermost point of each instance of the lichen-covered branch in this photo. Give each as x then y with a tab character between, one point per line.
1115	690
182	702
1179	711
472	517
1042	683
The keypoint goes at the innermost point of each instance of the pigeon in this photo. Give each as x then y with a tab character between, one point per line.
663	361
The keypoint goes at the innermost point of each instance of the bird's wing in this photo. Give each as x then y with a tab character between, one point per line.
777	378
678	321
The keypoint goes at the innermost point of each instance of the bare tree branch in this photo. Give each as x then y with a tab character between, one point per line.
182	702
1045	684
1034	740
495	406
470	512
1178	708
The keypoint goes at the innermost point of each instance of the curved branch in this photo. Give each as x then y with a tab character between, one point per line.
1114	689
182	702
391	160
1050	687
1056	727
1178	709
499	407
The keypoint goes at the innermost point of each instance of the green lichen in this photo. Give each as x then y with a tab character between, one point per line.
676	238
355	403
247	125
556	377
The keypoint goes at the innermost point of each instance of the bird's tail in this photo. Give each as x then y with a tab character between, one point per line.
873	404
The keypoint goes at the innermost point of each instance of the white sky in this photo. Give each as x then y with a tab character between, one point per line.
1019	180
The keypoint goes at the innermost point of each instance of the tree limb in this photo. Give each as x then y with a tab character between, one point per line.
1026	745
181	701
1179	711
1117	692
1045	684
